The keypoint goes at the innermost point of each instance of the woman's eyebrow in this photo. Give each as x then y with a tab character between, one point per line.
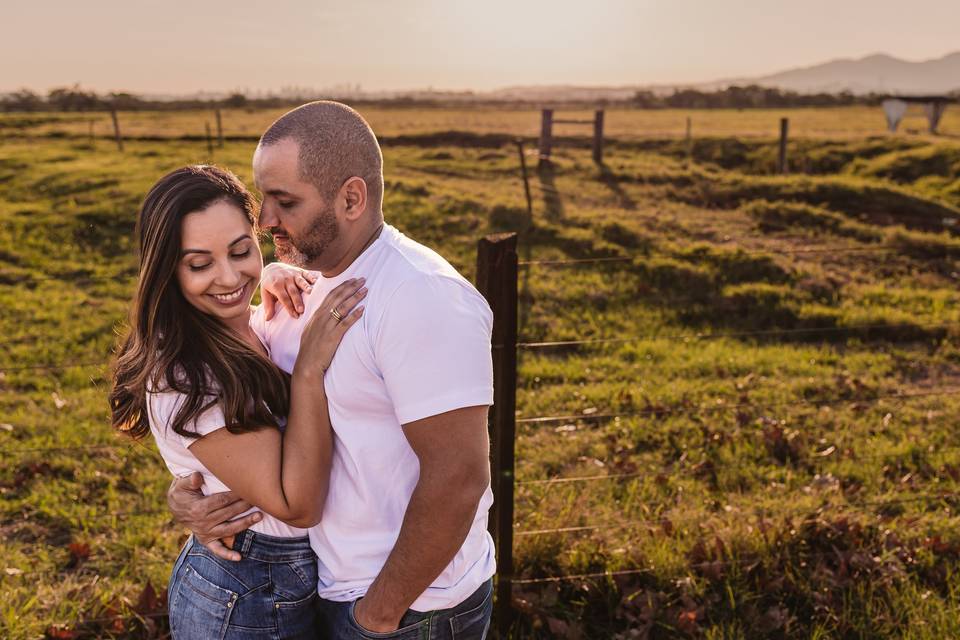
239	239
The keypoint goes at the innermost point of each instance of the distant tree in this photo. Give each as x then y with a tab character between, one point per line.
22	100
125	101
236	101
647	100
73	99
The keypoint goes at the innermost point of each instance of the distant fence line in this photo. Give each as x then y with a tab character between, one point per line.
545	141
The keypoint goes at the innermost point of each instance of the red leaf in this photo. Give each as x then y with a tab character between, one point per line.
57	632
150	601
79	551
687	621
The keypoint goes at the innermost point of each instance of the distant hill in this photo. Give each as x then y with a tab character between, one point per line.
879	73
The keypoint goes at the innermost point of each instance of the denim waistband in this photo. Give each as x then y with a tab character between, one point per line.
259	546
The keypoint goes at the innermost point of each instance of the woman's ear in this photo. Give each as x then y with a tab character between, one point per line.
354	194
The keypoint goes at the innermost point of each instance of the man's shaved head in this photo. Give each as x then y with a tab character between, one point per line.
336	143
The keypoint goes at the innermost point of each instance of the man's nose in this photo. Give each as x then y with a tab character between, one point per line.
267	217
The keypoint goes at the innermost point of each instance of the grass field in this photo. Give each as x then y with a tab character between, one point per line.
785	460
835	123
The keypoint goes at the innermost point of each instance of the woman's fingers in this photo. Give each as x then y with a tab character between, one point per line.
342	291
348	304
350	320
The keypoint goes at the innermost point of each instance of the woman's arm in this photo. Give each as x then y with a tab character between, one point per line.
287	475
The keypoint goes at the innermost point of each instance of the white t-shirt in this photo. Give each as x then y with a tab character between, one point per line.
175	449
422	348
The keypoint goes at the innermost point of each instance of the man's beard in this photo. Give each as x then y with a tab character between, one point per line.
302	250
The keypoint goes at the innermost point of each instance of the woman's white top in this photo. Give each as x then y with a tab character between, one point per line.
175	449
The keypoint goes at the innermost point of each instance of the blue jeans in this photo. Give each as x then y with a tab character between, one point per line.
270	593
469	620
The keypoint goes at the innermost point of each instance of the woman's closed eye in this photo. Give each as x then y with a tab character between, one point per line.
239	255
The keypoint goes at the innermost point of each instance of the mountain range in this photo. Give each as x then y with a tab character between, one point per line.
877	73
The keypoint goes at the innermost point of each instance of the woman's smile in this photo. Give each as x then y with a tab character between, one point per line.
233	297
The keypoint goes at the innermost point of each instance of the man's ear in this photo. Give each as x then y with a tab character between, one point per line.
354	193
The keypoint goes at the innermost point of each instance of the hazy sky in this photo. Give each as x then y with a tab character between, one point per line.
184	46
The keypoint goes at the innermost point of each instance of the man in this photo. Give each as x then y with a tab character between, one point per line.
402	548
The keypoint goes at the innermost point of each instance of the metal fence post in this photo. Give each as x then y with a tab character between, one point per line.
497	281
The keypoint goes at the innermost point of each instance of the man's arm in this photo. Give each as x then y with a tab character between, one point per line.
209	517
453	449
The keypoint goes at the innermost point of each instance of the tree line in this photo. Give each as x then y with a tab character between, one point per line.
750	97
733	97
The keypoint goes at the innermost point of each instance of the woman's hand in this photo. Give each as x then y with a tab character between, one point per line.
327	326
287	285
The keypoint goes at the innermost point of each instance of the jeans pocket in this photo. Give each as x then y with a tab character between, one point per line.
294	581
199	608
474	623
409	632
298	618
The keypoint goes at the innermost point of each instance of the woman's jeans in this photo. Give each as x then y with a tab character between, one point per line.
270	593
469	620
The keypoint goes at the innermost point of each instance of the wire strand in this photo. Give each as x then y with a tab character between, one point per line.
730	407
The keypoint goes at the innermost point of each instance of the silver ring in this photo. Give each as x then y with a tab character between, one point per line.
336	314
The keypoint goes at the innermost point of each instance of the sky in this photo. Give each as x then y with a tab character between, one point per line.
182	47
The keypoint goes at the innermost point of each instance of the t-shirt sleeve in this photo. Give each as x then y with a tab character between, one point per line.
432	347
163	407
258	322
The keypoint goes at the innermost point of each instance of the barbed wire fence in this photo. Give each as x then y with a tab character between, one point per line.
498	268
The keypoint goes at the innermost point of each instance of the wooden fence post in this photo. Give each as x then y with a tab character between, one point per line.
526	180
116	129
546	134
782	160
209	142
497	281
219	130
598	136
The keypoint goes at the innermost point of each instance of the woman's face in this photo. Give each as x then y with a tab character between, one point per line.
220	260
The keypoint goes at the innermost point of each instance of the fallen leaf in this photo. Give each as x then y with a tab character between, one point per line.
59	632
79	551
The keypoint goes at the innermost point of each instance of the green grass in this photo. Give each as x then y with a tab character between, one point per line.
774	484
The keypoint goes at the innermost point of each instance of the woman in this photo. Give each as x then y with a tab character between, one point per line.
194	374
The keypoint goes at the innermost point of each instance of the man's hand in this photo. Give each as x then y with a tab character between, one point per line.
209	517
368	622
453	450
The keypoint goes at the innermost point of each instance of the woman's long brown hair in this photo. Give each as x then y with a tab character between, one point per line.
171	345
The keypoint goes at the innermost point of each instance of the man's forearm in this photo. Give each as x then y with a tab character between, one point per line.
438	518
